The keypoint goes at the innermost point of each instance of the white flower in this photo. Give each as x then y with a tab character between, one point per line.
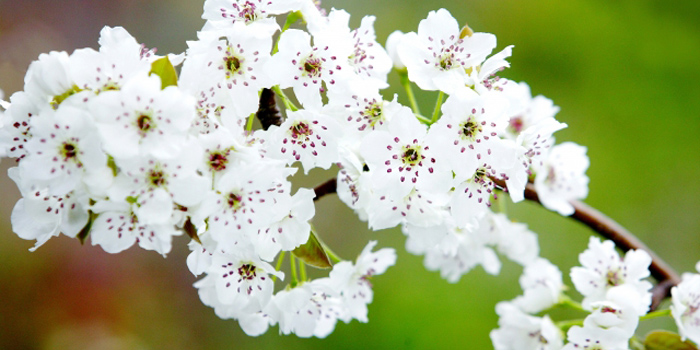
392	43
64	147
117	228
305	136
119	59
41	216
230	60
48	79
563	178
402	159
255	13
158	185
686	306
437	57
618	314
242	203
352	280
542	285
595	338
290	231
519	331
311	309
151	121
16	125
604	269
305	68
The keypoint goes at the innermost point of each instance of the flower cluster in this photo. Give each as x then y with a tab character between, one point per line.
615	293
112	145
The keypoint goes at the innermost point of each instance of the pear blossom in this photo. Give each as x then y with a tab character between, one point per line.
402	159
305	68
520	331
542	286
595	338
562	178
117	228
311	309
438	56
604	269
352	280
306	136
255	13
64	147
618	314
685	306
230	60
16	125
151	121
119	59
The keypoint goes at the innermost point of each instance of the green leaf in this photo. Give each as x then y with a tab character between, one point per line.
312	253
664	340
165	70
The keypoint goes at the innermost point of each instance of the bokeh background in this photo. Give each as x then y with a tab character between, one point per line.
625	74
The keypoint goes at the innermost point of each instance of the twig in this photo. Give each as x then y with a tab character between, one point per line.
664	274
325	188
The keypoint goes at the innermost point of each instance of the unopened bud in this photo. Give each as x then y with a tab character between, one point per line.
466	31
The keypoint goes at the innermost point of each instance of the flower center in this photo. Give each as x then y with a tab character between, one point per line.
300	130
247	12
218	160
247	271
470	129
516	124
613	278
69	151
312	66
232	64
372	113
156	178
144	122
411	155
235	201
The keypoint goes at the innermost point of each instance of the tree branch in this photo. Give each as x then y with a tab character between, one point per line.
665	275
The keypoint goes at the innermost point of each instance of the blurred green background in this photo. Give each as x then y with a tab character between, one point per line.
625	74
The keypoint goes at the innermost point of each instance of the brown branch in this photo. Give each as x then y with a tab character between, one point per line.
325	188
665	275
268	114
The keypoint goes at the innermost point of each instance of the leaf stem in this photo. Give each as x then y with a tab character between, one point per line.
287	103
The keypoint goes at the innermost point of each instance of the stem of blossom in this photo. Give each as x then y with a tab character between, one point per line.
279	264
565	325
656	314
438	105
332	255
287	103
249	124
565	300
293	267
423	119
291	18
403	75
302	270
